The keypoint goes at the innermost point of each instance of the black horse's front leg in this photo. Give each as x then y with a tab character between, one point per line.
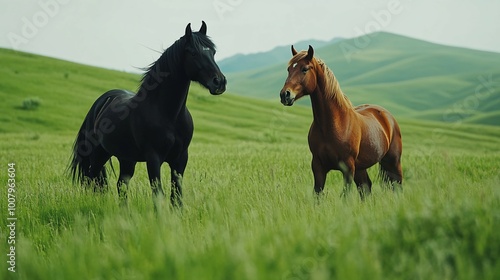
176	194
127	169
177	168
154	166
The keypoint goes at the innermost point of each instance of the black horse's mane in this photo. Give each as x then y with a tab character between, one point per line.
172	56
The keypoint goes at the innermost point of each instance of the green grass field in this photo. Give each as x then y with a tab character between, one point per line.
250	212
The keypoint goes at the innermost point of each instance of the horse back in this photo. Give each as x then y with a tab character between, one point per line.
382	116
380	127
133	128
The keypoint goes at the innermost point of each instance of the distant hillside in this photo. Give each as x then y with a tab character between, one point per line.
410	77
66	91
244	62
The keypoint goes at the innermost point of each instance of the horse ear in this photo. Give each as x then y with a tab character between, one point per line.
294	52
203	28
310	53
189	32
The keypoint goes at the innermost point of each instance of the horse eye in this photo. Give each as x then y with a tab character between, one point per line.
305	69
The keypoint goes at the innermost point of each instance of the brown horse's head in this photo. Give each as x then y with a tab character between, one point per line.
301	77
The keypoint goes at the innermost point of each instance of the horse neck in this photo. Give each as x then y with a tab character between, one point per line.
165	88
331	109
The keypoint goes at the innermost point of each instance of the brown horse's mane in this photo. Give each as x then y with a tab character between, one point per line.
332	86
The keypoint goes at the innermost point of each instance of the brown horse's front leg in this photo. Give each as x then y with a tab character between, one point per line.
347	169
319	173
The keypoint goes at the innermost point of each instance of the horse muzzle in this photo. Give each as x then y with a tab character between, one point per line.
287	98
217	85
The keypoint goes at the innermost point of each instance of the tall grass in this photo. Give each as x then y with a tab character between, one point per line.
250	213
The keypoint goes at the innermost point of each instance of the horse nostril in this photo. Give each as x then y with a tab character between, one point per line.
216	81
287	94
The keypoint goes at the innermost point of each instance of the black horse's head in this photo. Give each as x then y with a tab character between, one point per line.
199	63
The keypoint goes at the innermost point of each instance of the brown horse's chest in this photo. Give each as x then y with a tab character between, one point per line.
328	147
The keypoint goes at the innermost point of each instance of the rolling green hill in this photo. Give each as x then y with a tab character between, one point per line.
66	91
412	78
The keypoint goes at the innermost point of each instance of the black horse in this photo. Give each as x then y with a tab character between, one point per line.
152	126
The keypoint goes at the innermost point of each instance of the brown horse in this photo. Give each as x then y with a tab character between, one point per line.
343	137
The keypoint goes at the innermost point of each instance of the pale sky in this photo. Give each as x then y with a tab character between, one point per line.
124	34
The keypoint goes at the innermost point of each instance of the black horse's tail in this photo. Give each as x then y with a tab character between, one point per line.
79	166
87	145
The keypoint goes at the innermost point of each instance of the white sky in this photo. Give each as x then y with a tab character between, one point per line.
123	34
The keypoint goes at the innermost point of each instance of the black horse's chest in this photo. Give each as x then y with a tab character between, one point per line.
167	138
168	143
